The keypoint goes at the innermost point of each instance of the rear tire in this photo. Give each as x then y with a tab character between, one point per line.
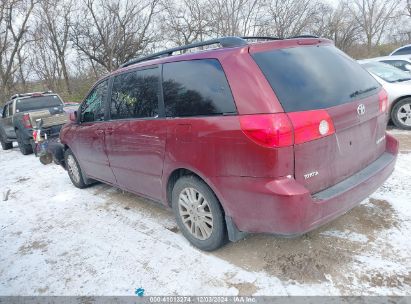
74	170
25	149
5	145
401	114
198	213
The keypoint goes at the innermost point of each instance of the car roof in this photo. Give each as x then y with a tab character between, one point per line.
260	44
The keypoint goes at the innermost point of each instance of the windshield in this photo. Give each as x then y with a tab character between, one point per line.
314	77
38	102
387	72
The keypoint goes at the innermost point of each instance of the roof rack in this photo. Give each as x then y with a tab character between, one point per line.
225	42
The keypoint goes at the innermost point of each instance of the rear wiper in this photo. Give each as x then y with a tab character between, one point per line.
360	92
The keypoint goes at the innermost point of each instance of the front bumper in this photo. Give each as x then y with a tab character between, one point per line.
285	207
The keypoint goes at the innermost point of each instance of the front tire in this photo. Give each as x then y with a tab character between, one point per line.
25	149
401	114
74	170
198	213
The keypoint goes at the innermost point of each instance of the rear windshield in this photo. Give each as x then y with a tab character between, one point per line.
38	102
387	72
314	77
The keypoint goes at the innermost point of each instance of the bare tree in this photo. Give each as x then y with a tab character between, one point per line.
54	16
337	24
235	17
288	18
43	61
373	17
185	22
112	32
12	35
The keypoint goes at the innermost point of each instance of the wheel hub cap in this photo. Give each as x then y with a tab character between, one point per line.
73	169
404	114
195	213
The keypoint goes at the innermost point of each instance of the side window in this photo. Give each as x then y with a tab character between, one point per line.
5	111
196	88
403	51
135	94
11	109
92	108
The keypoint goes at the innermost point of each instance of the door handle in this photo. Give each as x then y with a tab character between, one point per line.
99	132
109	131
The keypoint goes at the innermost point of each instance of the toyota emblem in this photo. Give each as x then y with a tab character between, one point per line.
361	110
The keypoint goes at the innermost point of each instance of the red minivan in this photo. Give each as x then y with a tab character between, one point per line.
271	136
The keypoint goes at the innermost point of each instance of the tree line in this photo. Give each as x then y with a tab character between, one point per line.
65	45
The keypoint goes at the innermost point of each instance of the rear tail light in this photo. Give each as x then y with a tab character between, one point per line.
281	130
311	125
383	98
268	130
26	121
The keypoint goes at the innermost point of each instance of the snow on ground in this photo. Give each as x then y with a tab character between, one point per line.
56	239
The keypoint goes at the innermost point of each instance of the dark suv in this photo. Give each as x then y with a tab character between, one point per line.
274	136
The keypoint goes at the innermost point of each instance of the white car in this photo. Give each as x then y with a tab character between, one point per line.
402	62
404	50
397	83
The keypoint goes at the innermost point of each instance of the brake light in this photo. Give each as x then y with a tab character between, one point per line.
383	98
268	130
26	121
311	125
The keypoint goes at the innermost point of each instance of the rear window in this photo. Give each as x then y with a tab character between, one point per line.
403	51
314	77
38	102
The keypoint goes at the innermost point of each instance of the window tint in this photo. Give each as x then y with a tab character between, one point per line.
135	94
6	111
314	77
195	88
93	107
38	102
403	51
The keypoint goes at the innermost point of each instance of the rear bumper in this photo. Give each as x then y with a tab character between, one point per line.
285	207
52	132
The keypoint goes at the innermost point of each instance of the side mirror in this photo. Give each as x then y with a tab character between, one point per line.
408	67
73	116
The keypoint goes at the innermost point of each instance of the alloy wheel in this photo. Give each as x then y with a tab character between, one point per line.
195	213
73	168
404	114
